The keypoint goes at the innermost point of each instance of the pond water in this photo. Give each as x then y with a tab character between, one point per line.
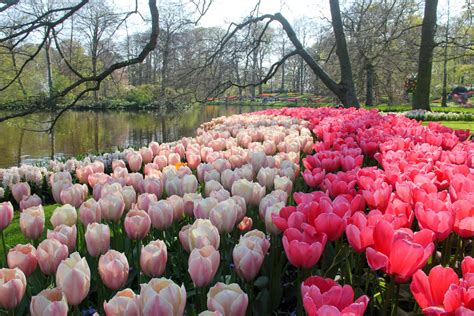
78	133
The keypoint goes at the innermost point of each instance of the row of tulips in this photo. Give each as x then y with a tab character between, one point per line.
383	186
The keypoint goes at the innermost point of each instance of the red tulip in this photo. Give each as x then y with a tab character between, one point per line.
463	218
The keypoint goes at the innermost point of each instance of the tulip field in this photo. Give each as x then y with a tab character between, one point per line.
293	211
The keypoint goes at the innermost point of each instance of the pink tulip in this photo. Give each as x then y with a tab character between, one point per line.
325	297
12	287
435	215
89	212
314	177
113	269
266	177
97	239
162	297
303	249
23	257
129	196
399	252
73	277
124	303
50	253
30	201
147	154
463	218
32	222
248	258
112	207
189	184
430	291
19	190
49	302
203	264
137	224
228	299
6	214
66	235
153	258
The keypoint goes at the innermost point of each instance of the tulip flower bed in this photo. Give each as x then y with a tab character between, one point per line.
324	211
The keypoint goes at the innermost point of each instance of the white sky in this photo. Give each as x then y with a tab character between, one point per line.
223	12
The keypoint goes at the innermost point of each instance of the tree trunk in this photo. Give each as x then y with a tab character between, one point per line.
349	98
48	67
369	93
254	72
444	101
421	97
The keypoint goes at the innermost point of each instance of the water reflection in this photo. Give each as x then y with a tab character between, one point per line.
78	133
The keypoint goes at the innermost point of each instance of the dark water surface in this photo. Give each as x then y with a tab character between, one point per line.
78	133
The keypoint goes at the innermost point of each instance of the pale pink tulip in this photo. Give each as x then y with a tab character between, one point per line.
124	303
161	214
6	214
50	253
153	258
73	277
19	190
32	222
229	299
23	257
201	233
49	302
203	264
30	201
134	160
12	287
113	269
66	235
162	296
89	212
137	224
97	239
204	207
224	215
112	207
144	200
248	258
177	204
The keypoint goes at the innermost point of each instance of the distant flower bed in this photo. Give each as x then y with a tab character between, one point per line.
283	210
438	116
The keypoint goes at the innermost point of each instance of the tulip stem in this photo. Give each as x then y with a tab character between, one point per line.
299	305
250	296
388	296
4	250
395	303
138	262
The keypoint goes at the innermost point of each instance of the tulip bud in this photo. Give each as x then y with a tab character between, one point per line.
32	222
203	264
89	212
73	277
64	234
153	258
6	214
113	269
137	224
97	239
65	214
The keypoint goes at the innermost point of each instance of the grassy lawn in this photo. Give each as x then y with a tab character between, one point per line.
456	124
435	107
13	233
